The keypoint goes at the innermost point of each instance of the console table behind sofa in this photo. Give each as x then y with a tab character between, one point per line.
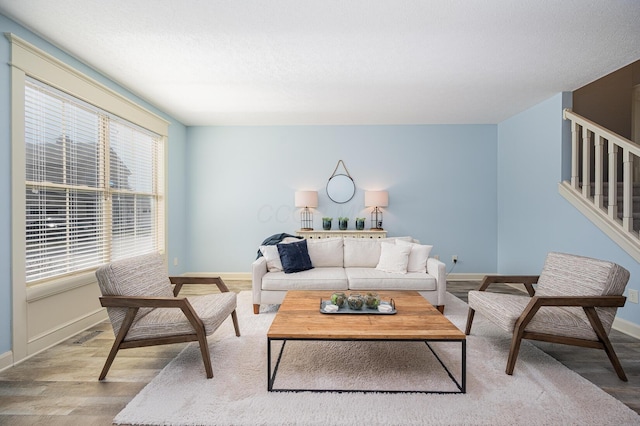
347	233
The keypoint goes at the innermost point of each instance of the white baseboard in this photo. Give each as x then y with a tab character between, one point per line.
466	277
49	339
626	327
6	360
226	276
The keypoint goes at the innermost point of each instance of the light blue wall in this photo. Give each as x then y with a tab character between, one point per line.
177	216
533	218
177	139
441	181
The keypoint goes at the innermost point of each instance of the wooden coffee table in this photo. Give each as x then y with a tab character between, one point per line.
299	318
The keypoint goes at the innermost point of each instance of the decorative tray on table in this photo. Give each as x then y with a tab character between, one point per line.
388	308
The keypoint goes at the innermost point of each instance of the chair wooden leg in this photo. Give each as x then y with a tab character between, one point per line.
256	308
204	350
109	361
234	317
513	351
594	319
122	333
608	348
470	316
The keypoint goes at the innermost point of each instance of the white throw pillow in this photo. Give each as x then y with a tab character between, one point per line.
326	252
361	252
394	258
272	256
418	256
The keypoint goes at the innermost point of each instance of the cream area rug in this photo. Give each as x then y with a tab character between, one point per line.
541	392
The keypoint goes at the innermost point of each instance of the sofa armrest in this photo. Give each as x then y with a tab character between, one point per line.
438	269
258	270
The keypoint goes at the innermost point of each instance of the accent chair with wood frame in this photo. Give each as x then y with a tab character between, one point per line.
574	302
145	310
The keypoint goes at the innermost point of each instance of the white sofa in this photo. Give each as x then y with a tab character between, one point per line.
352	264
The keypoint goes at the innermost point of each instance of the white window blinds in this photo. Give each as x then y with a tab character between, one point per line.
93	185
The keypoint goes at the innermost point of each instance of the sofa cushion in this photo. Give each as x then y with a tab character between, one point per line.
294	257
312	279
374	279
393	258
326	252
361	252
418	256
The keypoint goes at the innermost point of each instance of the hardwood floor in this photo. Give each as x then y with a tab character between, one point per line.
60	387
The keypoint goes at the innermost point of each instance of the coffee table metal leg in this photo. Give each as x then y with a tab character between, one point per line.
269	382
271	379
464	366
463	380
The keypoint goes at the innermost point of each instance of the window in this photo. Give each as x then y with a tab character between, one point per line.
93	181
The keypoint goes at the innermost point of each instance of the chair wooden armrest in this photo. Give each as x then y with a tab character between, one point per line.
526	280
582	301
181	280
143	302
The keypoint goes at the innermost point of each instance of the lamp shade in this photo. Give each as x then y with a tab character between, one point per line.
376	198
306	199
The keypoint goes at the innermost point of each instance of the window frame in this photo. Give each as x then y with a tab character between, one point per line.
29	61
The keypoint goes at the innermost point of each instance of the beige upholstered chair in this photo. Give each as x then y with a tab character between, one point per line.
145	310
575	302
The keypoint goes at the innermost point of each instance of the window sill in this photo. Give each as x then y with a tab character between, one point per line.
60	285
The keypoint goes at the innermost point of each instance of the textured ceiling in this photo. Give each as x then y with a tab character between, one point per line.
255	62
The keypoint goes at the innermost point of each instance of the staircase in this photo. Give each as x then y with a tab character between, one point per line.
605	181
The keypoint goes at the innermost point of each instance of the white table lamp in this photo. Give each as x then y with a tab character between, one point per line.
376	199
306	199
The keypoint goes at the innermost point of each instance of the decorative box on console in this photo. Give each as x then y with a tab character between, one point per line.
349	234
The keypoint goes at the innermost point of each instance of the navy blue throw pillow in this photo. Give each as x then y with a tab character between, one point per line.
294	257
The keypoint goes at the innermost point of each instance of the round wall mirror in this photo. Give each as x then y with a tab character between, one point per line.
341	188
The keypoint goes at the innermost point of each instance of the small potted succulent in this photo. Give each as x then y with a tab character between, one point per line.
338	298
360	223
355	301
343	222
372	300
326	223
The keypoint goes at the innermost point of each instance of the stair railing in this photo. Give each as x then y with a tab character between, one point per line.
602	176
